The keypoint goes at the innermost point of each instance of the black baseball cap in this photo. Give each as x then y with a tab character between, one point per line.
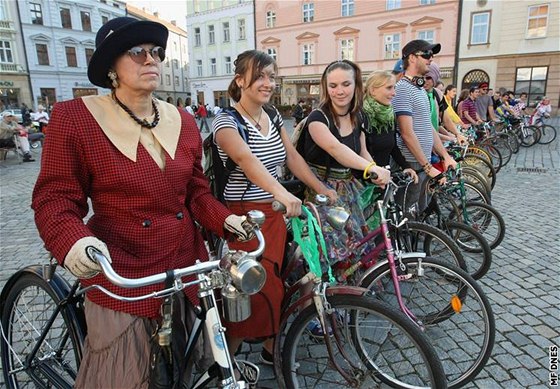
419	45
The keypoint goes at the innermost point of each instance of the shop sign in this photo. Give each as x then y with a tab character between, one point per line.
199	85
86	84
6	83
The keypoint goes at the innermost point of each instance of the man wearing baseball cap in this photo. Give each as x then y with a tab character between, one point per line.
484	104
418	138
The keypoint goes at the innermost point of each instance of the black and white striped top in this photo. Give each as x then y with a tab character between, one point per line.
269	150
411	100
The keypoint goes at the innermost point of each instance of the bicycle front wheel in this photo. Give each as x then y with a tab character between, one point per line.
452	307
370	341
548	134
30	305
483	218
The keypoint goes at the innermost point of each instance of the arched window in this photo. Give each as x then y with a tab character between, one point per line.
474	78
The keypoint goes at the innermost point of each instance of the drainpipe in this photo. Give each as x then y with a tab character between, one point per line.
457	42
32	102
255	23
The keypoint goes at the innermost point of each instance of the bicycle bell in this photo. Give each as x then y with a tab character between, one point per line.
337	217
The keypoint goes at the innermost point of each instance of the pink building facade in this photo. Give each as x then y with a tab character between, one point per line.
306	35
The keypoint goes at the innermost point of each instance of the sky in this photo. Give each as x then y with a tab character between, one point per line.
168	9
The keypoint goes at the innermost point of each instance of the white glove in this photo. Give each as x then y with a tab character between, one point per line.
77	261
240	226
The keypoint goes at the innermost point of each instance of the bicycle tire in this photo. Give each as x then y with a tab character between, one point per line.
496	156
466	336
473	246
474	175
530	137
501	142
417	236
548	134
483	218
401	349
484	166
29	303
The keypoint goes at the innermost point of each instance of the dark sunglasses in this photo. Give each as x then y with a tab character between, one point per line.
425	54
139	54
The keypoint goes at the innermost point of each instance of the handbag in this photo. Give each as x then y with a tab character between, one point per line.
168	344
367	202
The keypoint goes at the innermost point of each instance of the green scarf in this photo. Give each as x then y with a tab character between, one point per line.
380	117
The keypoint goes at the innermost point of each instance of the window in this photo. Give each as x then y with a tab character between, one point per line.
104	19
197	41
531	81
86	20
272	52
347	49
480	24
393	4
270	19
212	66
211	36
226	31
71	60
167	79
6	52
36	13
308	50
89	53
199	68
241	29
167	62
347	7
227	62
427	2
427	35
392	46
65	18
176	80
308	12
537	21
3	14
42	54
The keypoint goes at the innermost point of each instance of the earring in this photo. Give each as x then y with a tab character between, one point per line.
114	78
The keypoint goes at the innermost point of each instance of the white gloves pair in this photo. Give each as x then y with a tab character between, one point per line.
240	226
79	263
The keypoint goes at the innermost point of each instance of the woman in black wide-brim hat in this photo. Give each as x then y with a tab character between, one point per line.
138	160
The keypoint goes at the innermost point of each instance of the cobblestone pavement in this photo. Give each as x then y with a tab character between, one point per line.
523	284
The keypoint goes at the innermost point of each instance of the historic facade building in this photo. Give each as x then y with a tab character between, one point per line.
511	45
306	35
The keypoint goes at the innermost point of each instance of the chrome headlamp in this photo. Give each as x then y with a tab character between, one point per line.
247	275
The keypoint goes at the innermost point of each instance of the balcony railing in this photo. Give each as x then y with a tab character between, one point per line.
10	68
6	25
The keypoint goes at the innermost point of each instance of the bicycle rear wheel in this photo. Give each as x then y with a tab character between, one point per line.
371	342
456	314
30	304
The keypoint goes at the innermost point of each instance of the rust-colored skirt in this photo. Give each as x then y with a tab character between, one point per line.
265	305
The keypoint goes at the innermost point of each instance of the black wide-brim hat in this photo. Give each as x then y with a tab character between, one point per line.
117	36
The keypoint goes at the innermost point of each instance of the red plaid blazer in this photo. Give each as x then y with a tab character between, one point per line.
146	216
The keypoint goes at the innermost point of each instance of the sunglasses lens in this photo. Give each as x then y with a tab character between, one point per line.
139	54
427	54
158	53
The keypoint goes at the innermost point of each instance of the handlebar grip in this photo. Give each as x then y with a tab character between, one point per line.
277	206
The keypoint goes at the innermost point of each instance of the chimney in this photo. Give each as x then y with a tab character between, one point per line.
174	22
156	14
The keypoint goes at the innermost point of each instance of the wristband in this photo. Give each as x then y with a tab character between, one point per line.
366	173
427	167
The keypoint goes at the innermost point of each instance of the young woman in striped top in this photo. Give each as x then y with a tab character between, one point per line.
254	184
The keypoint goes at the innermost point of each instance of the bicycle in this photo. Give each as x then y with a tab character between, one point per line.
456	301
43	322
548	132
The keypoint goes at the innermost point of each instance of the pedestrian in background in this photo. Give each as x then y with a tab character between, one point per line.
202	114
299	112
137	159
484	104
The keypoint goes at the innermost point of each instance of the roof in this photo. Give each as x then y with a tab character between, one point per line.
141	14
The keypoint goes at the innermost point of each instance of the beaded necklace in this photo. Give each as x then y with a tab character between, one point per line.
142	122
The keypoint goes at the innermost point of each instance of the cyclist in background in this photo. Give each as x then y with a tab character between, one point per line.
542	110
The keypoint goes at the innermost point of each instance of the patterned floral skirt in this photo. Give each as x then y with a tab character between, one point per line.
342	243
